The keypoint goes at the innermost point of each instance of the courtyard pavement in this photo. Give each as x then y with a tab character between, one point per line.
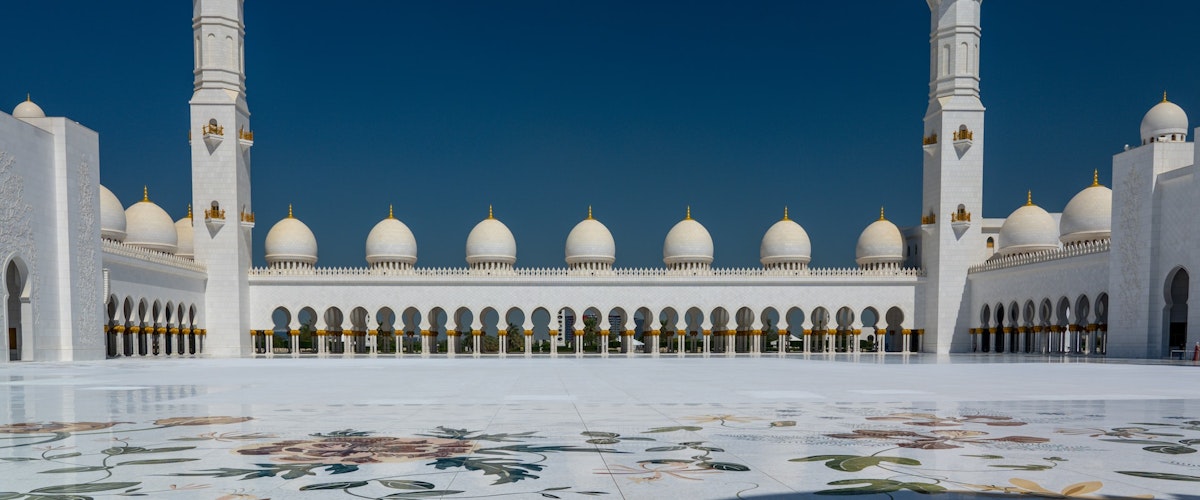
896	426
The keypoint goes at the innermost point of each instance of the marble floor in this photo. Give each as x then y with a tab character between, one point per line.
574	428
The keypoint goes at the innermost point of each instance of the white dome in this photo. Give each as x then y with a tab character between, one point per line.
590	242
112	216
1088	216
1164	118
185	233
291	241
785	242
28	109
688	242
149	226
1028	229
880	243
491	242
391	241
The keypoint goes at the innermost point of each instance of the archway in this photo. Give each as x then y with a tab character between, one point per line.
769	319
281	320
820	330
333	330
308	328
514	329
668	320
895	329
16	288
489	330
996	342
1082	315
412	328
540	318
870	322
1176	311
693	326
385	336
617	319
719	318
1102	324
845	329
110	322
985	320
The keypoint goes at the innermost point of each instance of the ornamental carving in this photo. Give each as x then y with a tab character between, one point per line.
16	240
87	260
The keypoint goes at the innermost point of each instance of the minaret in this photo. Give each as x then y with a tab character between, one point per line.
221	139
953	173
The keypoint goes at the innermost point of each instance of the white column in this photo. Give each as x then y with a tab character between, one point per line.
424	327
527	334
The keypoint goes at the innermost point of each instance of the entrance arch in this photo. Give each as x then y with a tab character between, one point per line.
1175	336
16	288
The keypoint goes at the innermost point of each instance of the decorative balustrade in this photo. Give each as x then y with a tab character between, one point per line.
930	140
212	129
246	216
554	272
139	253
245	135
1075	250
214	214
964	135
928	219
960	216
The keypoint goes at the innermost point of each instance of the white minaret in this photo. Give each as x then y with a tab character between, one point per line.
221	139
953	174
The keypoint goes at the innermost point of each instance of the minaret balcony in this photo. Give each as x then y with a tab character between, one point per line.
214	218
963	139
245	139
246	220
213	134
930	144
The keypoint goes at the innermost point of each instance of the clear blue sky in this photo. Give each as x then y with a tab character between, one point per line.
637	108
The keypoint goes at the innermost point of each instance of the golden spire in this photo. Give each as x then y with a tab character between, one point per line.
27	99
589	212
785	214
881	213
1095	178
1164	96
490	215
390	215
689	213
145	194
1029	198
290	211
189	210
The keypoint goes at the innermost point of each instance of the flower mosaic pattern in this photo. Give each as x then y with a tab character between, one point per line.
360	450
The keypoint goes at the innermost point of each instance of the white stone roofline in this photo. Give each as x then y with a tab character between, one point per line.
120	249
747	272
1085	248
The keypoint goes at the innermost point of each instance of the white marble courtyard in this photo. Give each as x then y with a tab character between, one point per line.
599	428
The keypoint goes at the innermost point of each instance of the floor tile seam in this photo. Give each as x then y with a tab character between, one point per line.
603	459
491	421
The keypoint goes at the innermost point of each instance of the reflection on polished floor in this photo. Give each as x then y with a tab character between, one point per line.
696	428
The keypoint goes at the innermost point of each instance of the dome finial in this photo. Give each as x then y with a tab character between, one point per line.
785	214
490	216
689	213
590	212
189	210
145	193
1029	198
881	213
290	211
27	98
390	215
1164	96
1095	177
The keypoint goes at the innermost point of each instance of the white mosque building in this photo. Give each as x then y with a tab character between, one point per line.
85	277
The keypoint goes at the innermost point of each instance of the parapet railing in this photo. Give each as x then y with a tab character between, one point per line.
539	272
1075	250
143	254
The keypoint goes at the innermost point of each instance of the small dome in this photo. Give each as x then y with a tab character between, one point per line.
1088	216
880	243
28	109
149	226
491	242
1164	119
688	242
112	216
391	241
785	242
1028	229
590	242
185	233
291	241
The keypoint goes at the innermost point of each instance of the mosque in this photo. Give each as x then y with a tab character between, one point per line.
85	277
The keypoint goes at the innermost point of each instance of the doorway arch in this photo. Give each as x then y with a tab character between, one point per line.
16	288
1175	336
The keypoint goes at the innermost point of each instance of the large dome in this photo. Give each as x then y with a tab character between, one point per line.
391	241
291	241
880	243
112	216
148	226
185	232
28	109
1164	119
590	242
491	242
785	242
688	242
1088	216
1028	229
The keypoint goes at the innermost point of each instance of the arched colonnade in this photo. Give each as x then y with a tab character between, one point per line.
139	326
1062	325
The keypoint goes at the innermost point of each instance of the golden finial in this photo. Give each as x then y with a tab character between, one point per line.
589	212
290	211
27	99
490	215
1029	198
189	210
689	213
390	215
145	194
785	214
1095	178
881	213
1164	96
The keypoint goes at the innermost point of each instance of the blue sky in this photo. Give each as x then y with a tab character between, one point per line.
636	108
